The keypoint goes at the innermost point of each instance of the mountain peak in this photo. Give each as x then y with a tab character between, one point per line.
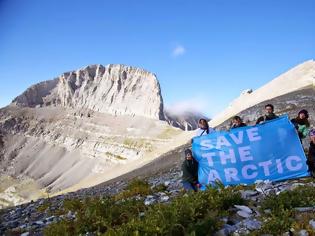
115	89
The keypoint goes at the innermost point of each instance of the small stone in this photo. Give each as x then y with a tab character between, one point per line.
25	234
149	200
244	208
229	229
167	183
221	232
165	198
248	193
39	222
303	232
141	214
13	224
252	224
69	214
312	223
244	214
304	209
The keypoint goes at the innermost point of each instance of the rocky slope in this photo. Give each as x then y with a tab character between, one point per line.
81	129
297	79
289	104
32	218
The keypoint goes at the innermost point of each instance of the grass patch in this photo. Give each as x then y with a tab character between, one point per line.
189	214
115	156
138	144
168	133
159	188
44	207
283	216
134	188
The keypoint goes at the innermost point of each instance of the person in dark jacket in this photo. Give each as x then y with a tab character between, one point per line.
190	172
237	122
270	115
311	153
302	124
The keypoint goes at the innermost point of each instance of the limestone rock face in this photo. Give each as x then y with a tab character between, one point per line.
80	129
114	89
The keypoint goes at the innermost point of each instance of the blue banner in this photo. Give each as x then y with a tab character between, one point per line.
269	151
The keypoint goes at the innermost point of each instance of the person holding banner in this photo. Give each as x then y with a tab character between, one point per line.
301	124
311	153
244	155
190	172
204	128
270	115
237	122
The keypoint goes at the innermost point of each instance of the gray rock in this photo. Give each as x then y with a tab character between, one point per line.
244	208
244	214
304	209
165	198
252	224
312	223
303	232
221	232
149	200
39	222
248	193
13	224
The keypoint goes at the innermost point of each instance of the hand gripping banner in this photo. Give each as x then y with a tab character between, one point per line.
269	151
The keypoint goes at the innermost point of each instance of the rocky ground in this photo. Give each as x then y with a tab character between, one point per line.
32	218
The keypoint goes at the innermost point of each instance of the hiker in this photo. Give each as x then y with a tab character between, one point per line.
190	172
237	122
268	116
301	124
311	153
204	128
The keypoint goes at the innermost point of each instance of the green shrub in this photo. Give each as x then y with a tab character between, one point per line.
192	213
283	217
135	187
301	196
277	224
159	188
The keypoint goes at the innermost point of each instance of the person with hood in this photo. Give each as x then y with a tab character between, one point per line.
301	124
311	153
190	172
204	128
269	114
237	122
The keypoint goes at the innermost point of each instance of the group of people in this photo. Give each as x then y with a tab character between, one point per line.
301	124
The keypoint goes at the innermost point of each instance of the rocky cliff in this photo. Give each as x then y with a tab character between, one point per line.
80	129
114	89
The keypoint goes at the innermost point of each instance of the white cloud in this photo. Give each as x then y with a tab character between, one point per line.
179	50
195	104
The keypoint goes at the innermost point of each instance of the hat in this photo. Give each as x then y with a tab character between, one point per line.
312	132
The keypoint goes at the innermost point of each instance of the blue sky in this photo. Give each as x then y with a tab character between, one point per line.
204	53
